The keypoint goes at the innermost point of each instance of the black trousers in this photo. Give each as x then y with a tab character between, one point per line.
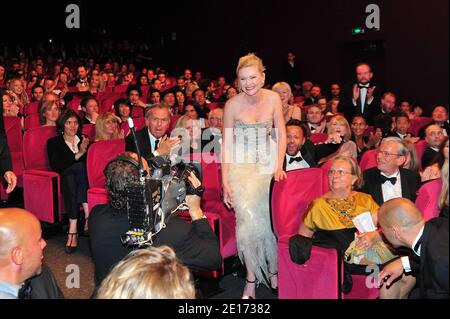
74	186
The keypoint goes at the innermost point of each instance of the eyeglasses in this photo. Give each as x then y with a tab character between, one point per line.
339	172
387	154
358	124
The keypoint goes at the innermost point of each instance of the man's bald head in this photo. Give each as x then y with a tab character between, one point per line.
400	220
401	212
15	224
21	245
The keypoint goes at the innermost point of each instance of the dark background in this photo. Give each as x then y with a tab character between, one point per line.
409	54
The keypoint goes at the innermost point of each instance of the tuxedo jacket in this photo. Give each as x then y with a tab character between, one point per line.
370	110
410	182
143	139
312	153
310	101
291	74
428	157
432	270
395	134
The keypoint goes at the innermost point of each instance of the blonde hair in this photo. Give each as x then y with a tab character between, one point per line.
281	85
413	159
150	273
100	134
443	199
340	119
250	60
355	169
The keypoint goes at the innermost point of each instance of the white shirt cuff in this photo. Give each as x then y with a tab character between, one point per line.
405	263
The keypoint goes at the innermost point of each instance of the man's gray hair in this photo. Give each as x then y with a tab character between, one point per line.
403	150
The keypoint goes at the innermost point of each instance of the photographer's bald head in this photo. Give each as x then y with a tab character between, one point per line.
21	246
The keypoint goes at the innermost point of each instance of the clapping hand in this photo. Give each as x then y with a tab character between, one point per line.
11	180
166	144
356	92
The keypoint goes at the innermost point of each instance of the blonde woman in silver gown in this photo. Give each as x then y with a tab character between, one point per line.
253	151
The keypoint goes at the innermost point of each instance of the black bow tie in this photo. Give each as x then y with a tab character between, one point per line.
295	159
25	290
384	179
363	86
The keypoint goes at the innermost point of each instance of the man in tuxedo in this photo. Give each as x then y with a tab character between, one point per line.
21	256
315	119
388	180
152	140
364	95
440	118
403	226
290	71
5	158
402	126
433	136
314	96
302	153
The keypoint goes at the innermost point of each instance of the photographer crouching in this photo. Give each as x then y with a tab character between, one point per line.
195	244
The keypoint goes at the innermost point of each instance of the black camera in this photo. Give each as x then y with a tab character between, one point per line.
152	201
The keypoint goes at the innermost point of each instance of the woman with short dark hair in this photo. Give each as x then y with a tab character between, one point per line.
67	156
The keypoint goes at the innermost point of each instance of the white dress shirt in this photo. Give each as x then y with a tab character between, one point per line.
295	164
405	259
73	148
392	191
152	143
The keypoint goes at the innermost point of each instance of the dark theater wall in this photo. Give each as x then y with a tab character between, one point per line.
409	54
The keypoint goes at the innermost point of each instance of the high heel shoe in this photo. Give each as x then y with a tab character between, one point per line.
247	296
274	290
69	248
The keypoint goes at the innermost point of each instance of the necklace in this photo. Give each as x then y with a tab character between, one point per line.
345	207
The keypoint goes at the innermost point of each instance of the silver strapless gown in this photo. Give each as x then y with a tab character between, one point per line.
249	177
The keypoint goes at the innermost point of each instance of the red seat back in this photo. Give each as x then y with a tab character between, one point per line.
316	279
99	155
421	146
317	138
418	123
35	147
368	160
89	130
120	89
31	108
137	111
427	200
139	124
31	121
291	198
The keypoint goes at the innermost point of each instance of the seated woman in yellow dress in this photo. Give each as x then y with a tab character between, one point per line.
329	222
